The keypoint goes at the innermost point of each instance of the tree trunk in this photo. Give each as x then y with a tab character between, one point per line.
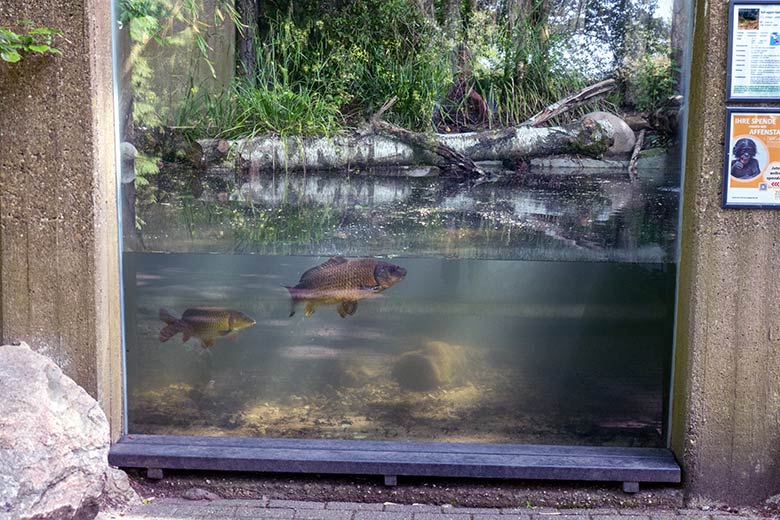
681	15
370	149
427	8
246	35
449	15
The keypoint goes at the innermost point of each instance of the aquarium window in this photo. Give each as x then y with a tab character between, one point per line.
331	234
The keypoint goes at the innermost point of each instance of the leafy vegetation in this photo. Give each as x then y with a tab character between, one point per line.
654	82
314	74
36	40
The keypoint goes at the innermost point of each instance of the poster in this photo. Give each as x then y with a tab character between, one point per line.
752	169
754	51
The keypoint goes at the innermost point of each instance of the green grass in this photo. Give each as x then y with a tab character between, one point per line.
319	76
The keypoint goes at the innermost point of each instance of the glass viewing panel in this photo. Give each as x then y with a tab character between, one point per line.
310	252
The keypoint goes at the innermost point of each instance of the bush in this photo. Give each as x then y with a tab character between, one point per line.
652	83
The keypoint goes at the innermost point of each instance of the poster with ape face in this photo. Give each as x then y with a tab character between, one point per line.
752	166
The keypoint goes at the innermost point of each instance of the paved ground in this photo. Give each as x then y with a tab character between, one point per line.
178	508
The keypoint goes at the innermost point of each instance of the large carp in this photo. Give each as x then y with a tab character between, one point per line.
344	283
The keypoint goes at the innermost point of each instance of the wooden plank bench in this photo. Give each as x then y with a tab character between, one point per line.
393	459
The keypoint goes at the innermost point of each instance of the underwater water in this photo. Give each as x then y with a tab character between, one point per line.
459	350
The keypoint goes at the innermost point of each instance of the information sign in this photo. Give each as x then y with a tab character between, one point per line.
752	168
754	51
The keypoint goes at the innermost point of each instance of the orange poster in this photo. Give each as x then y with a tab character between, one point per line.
752	176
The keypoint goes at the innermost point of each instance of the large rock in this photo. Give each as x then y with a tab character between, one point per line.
624	138
434	365
54	441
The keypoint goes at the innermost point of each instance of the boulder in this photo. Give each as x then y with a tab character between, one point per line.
434	365
54	441
624	138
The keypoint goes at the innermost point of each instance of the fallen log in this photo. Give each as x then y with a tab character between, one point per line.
426	142
207	151
586	95
384	148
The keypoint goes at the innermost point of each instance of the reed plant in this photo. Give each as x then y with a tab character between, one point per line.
317	75
528	71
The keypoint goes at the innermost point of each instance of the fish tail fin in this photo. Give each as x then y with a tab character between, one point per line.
173	325
294	299
167	316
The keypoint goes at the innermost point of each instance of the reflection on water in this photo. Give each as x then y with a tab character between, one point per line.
555	216
459	350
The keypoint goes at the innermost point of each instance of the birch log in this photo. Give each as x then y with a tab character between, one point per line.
371	149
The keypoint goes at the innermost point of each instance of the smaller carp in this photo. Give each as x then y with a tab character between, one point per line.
205	323
344	283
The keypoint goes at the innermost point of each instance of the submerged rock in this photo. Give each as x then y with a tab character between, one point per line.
436	364
54	441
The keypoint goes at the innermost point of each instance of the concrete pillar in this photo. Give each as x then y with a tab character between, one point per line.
726	409
58	233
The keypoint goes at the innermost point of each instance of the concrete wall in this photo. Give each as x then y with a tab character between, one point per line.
726	411
58	276
58	268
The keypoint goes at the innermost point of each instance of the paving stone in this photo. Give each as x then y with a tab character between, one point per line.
296	504
382	515
205	509
472	510
240	502
587	511
522	511
261	512
355	506
159	516
156	511
165	501
313	514
559	516
693	514
530	511
257	512
671	514
441	516
620	517
225	509
413	508
502	517
132	516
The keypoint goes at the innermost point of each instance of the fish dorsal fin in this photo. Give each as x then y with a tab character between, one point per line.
332	262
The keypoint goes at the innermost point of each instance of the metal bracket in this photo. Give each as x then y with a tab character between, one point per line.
630	487
154	473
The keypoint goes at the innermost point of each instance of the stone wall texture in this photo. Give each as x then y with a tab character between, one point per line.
58	258
726	410
46	198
